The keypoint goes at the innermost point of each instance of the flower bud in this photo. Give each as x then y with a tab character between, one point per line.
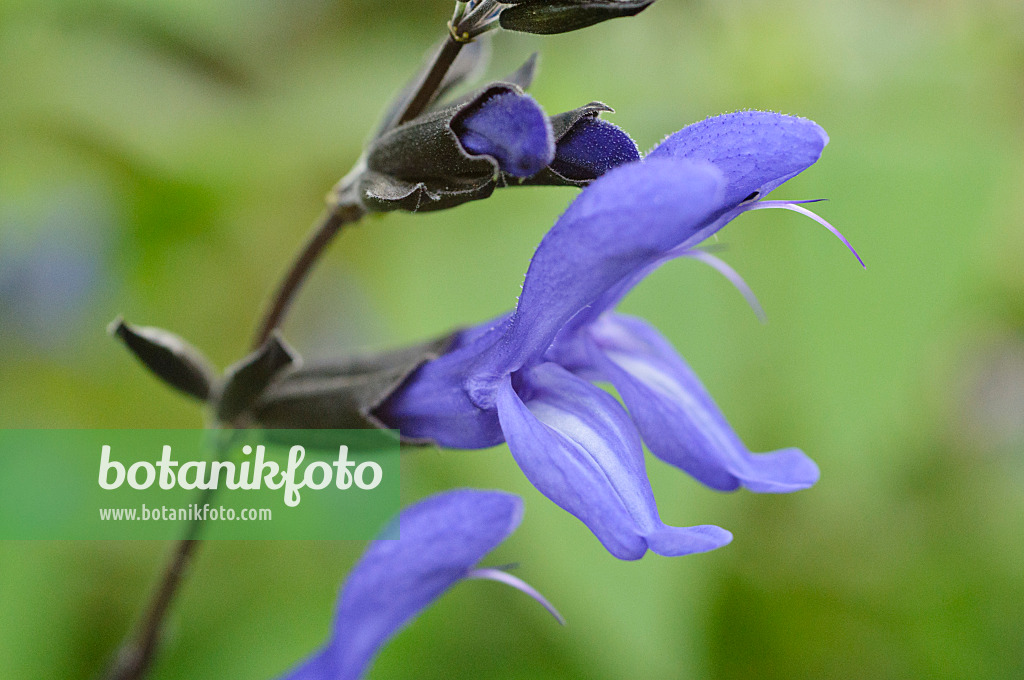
459	153
560	16
510	128
585	148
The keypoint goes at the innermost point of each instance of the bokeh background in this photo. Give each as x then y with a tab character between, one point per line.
163	159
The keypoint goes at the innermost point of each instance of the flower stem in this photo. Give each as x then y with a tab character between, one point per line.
345	209
443	61
324	231
135	656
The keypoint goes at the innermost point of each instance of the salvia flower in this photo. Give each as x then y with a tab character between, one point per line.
442	540
526	378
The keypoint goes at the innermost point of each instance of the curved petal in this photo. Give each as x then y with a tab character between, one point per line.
755	150
677	417
575	444
625	220
442	538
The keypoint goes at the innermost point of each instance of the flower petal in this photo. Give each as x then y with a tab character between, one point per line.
432	403
575	444
621	223
442	538
510	127
756	150
592	147
677	417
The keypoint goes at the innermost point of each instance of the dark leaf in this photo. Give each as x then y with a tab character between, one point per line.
560	16
172	359
246	380
427	148
380	193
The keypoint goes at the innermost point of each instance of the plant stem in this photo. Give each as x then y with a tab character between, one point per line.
135	656
346	209
324	231
428	88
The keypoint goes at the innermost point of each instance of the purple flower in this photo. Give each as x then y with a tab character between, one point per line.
525	378
442	539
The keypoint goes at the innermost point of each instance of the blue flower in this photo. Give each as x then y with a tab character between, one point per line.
442	539
500	137
526	377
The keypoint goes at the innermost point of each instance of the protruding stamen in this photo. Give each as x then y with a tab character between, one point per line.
518	584
733	277
796	207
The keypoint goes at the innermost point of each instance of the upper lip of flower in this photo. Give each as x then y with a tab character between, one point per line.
636	216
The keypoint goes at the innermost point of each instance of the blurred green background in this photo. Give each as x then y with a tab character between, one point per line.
163	159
